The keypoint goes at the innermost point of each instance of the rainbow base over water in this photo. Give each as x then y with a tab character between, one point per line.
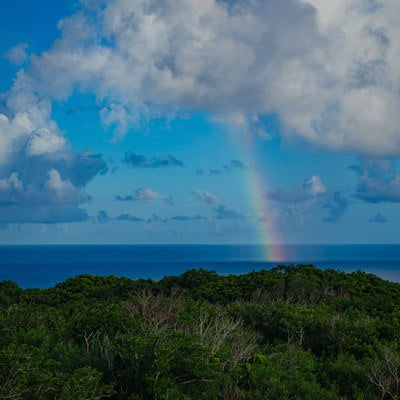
261	211
268	235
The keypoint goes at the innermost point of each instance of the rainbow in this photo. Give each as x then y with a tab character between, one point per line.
268	235
255	183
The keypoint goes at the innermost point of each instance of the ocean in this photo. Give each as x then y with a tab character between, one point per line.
45	266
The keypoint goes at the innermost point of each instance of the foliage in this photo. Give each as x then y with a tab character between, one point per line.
293	332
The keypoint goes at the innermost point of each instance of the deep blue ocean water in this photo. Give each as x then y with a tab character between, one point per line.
44	266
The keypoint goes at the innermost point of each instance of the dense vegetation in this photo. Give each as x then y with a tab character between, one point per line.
288	333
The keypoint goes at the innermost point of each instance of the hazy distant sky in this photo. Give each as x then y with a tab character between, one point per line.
199	121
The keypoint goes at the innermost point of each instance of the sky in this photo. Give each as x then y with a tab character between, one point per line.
199	122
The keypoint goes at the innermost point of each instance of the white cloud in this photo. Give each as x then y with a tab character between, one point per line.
329	69
17	54
26	118
311	189
205	197
299	201
146	195
41	178
61	190
42	141
314	186
11	183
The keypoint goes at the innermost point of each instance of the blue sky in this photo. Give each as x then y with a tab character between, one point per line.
179	121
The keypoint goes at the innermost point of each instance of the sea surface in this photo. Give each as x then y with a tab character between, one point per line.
45	266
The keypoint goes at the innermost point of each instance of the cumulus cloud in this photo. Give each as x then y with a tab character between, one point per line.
378	180
312	192
42	141
56	178
17	55
59	190
145	195
316	65
312	188
11	183
41	178
328	69
140	161
205	197
34	184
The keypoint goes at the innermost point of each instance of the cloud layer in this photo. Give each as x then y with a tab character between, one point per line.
145	195
312	188
311	192
378	180
41	178
329	71
205	197
140	161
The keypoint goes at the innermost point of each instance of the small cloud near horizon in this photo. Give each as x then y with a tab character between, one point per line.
378	219
145	195
231	166
205	197
222	212
310	189
140	161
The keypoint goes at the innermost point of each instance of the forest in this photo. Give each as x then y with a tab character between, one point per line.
292	332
